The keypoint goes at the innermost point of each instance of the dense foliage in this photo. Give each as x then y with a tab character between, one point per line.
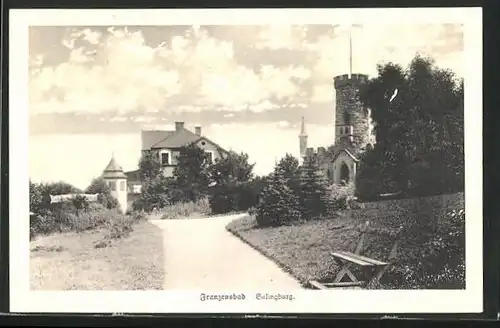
232	184
74	215
99	186
433	259
313	190
278	203
190	173
418	117
228	182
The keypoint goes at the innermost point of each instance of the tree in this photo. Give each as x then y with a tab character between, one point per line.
60	188
418	116
190	174
36	197
314	192
278	203
289	166
157	193
149	166
99	186
231	184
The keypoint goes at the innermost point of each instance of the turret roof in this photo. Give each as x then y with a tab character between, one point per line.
113	170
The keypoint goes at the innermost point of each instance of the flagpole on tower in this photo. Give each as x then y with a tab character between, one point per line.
350	51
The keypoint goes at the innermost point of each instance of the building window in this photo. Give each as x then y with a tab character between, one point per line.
136	189
165	158
112	185
122	185
210	157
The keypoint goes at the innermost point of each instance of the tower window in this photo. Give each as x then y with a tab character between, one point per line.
347	117
112	185
346	130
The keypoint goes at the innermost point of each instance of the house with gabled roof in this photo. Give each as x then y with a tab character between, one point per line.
166	144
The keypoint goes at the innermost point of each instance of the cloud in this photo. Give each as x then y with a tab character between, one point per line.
276	37
378	43
119	71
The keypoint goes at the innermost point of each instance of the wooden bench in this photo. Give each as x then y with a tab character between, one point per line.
373	269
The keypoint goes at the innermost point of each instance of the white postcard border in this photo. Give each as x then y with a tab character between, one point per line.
342	301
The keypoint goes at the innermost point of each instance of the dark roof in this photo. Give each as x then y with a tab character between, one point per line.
133	175
149	138
113	170
177	139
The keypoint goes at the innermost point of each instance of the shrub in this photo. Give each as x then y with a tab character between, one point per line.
99	186
232	186
278	203
235	197
156	193
185	210
434	259
313	190
340	198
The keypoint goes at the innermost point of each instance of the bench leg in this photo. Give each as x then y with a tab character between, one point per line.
345	271
379	272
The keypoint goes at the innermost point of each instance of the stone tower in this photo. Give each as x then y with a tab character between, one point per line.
303	139
352	120
117	182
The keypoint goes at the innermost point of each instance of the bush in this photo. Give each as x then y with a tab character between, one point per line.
313	190
341	198
235	197
99	186
278	203
185	210
232	186
435	259
156	193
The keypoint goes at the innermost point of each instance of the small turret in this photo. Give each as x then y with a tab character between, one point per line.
117	182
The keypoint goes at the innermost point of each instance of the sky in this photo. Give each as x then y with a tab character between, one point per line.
93	88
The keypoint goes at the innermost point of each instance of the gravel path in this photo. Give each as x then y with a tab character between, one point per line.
201	255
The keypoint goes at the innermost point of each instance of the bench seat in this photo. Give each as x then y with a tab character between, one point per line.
357	259
326	285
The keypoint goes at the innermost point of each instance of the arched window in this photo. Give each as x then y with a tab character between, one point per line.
344	173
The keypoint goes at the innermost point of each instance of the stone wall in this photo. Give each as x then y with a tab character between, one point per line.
437	205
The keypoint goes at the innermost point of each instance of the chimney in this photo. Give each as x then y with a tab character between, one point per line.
179	126
197	130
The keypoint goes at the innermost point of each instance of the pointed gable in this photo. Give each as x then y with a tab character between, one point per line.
113	170
346	151
149	138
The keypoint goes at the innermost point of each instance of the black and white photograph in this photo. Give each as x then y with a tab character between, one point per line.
246	160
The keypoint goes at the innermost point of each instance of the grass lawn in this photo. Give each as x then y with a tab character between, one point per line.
69	261
303	249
